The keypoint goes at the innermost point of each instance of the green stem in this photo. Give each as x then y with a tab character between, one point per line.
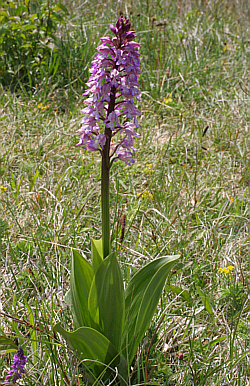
105	206
105	181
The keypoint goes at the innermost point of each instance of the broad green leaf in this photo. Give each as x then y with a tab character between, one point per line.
91	344
141	299
123	371
33	17
6	343
67	298
216	341
62	7
33	180
3	12
205	301
10	350
80	282
58	188
177	290
28	28
106	300
15	186
96	253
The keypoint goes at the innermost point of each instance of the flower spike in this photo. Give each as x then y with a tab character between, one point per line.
113	85
17	367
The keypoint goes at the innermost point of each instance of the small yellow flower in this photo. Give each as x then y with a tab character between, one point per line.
2	189
145	195
168	99
40	106
148	169
120	249
226	269
226	48
231	199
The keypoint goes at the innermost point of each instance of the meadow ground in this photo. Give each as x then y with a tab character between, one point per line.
187	192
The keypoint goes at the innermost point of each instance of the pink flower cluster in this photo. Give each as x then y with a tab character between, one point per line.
17	367
113	85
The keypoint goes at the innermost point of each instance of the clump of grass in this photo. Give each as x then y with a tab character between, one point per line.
188	193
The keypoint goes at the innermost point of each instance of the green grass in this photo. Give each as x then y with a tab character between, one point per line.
193	158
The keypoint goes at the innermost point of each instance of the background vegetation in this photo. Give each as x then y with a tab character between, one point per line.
188	191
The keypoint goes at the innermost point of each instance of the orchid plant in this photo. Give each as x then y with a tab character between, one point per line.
113	84
111	321
17	367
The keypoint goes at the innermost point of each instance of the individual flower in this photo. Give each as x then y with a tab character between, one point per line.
112	87
226	48
148	169
168	99
226	269
17	367
179	355
145	195
40	106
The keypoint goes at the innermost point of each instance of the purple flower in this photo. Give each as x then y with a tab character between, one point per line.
113	85
17	366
